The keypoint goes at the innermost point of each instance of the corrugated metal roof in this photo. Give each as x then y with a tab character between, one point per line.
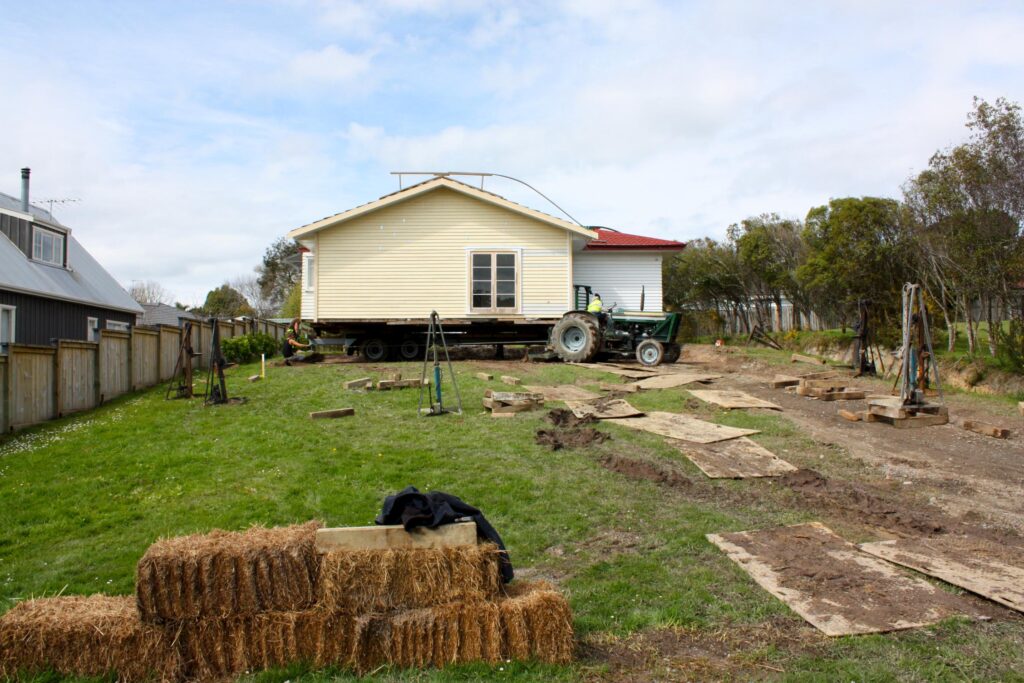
162	314
14	204
611	240
85	281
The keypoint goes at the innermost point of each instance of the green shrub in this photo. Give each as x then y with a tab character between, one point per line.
1010	350
247	348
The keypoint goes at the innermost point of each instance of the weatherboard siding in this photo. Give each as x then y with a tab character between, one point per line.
411	258
39	320
619	277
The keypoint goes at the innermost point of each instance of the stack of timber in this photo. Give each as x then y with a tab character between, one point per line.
905	415
512	402
828	386
224	604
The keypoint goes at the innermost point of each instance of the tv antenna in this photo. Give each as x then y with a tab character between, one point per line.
61	201
445	174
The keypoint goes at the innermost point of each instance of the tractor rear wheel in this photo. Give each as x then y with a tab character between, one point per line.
410	349
672	352
650	352
576	338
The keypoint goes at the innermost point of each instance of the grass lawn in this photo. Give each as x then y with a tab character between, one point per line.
83	497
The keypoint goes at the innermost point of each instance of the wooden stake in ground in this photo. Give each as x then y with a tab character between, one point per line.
339	412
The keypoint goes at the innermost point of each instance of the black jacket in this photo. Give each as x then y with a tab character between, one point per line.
411	509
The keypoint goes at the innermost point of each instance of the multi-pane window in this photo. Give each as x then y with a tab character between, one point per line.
47	246
494	281
310	274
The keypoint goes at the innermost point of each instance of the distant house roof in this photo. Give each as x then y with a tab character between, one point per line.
437	183
83	281
162	314
613	240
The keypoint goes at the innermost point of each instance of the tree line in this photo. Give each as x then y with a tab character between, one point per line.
956	230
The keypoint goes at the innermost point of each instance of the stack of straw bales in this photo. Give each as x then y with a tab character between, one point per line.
223	604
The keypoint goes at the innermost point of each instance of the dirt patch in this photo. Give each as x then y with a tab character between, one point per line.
866	506
556	439
743	652
566	419
644	469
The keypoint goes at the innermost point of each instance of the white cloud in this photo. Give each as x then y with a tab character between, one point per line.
331	65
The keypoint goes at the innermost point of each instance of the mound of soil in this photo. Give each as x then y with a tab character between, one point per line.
579	437
644	469
566	419
862	504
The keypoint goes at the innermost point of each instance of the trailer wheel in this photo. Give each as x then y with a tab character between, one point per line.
672	352
410	349
575	338
374	350
650	352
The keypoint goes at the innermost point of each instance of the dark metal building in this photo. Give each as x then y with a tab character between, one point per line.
50	287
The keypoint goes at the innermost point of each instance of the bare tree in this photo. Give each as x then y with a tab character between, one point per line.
149	292
249	286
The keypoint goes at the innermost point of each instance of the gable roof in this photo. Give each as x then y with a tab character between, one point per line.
429	186
613	240
9	203
163	314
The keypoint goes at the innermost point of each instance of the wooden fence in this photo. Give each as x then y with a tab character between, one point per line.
40	383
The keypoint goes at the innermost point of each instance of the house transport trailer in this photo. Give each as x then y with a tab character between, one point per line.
497	272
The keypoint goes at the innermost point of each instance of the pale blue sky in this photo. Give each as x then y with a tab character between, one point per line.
197	132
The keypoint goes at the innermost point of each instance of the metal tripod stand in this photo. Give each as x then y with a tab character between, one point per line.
435	338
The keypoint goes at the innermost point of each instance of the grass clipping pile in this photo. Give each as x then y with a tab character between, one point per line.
226	603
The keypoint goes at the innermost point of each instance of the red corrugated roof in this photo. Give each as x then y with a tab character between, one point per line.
612	240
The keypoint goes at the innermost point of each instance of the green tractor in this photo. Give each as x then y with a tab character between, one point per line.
580	336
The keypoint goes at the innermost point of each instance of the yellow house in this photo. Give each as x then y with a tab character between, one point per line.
441	245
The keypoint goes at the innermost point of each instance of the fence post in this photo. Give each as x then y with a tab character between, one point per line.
130	354
98	379
5	395
58	395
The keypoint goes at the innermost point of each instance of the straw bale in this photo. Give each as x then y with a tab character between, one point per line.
537	622
223	573
363	581
86	636
228	646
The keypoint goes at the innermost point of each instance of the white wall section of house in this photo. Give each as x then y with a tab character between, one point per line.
619	277
410	258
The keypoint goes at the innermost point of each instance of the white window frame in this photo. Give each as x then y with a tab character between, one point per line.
118	326
39	235
309	272
12	312
494	251
92	329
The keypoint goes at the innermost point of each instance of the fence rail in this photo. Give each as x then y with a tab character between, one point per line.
40	383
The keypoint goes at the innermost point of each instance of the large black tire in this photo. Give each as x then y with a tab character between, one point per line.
576	338
672	352
374	350
410	349
650	352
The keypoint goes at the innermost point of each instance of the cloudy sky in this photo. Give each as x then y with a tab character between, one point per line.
196	132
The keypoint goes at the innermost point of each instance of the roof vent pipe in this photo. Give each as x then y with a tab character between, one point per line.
24	189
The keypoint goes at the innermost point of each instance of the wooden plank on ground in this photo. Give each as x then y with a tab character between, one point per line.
562	392
733	399
630	388
849	415
982	567
485	376
509	379
782	381
801	358
684	427
986	429
845	395
361	383
385	537
735	459
410	383
603	409
636	373
832	584
338	412
675	379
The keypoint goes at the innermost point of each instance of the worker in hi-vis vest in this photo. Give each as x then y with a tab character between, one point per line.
595	305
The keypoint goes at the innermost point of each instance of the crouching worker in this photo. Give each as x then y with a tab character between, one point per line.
294	345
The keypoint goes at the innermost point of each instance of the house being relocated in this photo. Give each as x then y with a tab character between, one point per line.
494	270
50	287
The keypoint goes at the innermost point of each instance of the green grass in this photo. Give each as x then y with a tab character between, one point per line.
83	497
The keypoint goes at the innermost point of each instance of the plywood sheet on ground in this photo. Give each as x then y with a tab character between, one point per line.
562	392
675	379
735	459
603	409
832	584
993	571
684	427
733	399
629	373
